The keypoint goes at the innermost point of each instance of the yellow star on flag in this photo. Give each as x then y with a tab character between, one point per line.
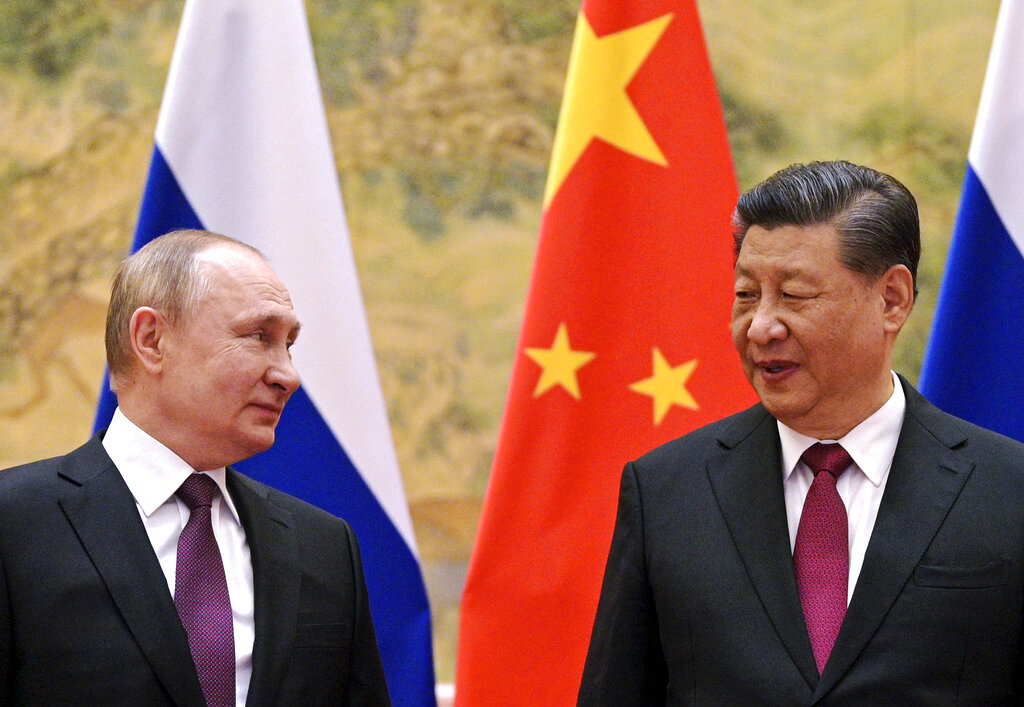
596	104
667	386
559	364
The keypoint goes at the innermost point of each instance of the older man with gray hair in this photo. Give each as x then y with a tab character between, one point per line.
141	568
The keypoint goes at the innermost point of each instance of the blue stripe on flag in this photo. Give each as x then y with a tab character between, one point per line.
164	206
974	365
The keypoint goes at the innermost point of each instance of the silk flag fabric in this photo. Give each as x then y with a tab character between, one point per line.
242	148
625	343
974	364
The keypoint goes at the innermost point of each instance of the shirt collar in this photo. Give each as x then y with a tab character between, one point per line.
871	444
152	471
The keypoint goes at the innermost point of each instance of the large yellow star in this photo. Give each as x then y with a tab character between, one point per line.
559	364
596	103
667	386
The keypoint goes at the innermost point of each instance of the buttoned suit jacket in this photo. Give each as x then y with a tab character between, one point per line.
86	616
699	604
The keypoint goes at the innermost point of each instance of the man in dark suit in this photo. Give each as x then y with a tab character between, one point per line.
99	568
744	569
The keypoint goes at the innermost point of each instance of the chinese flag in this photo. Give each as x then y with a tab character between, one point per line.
625	343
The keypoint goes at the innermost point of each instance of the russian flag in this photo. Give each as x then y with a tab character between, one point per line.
242	148
974	363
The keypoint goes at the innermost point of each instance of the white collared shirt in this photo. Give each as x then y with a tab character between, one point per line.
872	445
153	473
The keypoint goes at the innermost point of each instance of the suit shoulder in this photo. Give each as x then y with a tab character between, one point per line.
37	476
302	511
709	439
982	436
991	450
31	473
25	486
957	433
22	473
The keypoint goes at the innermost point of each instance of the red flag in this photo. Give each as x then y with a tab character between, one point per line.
625	343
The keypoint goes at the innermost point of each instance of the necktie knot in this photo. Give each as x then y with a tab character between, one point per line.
827	457
198	490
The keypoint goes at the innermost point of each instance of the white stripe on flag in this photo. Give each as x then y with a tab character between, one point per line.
997	147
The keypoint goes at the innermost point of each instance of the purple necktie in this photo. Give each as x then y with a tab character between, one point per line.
201	595
822	553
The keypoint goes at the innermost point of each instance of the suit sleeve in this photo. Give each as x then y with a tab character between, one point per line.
625	664
366	684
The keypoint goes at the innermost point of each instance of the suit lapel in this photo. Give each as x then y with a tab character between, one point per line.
100	508
273	545
925	479
747	484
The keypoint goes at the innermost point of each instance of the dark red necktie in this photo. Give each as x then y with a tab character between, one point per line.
201	595
822	553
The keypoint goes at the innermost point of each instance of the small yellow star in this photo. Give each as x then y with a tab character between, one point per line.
667	386
559	364
596	105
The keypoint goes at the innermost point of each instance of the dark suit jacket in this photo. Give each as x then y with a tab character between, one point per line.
86	617
700	606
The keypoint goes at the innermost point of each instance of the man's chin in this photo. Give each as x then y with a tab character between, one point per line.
260	441
783	408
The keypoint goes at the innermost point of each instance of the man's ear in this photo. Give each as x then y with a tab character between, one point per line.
897	289
146	332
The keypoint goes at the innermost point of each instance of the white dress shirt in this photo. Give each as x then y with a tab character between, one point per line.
153	473
872	445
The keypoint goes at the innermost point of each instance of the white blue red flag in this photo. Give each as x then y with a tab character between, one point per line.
242	148
974	364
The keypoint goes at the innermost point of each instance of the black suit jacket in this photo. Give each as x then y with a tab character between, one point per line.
86	617
699	603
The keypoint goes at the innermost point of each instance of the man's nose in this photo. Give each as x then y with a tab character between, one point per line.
282	373
765	324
